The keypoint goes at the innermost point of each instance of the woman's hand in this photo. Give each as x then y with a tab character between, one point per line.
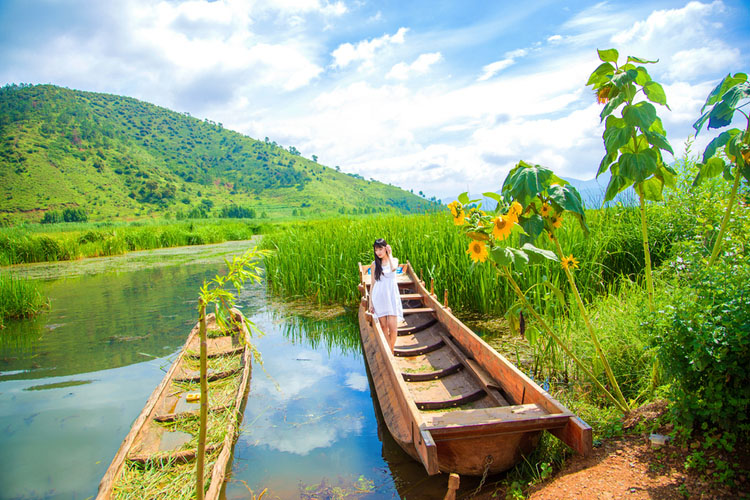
388	250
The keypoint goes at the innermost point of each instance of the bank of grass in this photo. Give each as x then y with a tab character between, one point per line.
70	241
19	298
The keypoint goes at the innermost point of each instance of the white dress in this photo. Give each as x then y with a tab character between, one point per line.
385	298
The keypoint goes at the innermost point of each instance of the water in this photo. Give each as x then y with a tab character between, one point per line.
73	380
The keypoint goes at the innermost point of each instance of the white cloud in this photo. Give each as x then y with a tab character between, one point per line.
421	65
364	51
682	22
494	68
554	38
691	63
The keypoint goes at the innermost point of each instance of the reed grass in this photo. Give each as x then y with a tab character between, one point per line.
318	259
56	242
161	480
220	392
20	298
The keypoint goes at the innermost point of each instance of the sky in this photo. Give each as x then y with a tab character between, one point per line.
438	97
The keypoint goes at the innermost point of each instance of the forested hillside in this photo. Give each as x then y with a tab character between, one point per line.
114	156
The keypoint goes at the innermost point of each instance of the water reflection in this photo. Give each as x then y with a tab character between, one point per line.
72	382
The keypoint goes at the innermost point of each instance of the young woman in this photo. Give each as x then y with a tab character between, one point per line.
385	300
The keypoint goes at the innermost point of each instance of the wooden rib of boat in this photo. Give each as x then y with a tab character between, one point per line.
152	439
448	398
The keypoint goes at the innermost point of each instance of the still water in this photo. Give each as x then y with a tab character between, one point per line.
74	379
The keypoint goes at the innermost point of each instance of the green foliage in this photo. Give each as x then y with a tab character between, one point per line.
65	215
19	298
115	156
73	241
633	142
702	336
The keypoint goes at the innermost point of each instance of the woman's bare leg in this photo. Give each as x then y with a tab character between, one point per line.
384	326
392	331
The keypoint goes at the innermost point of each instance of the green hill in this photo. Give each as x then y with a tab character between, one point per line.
117	157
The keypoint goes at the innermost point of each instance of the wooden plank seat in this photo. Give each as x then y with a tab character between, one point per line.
528	417
411	296
416	351
434	375
418	310
450	403
408	330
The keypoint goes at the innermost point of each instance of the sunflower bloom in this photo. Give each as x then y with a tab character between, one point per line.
602	95
501	227
545	210
515	210
457	211
477	251
556	220
569	262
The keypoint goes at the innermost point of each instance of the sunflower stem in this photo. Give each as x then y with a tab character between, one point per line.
509	276
592	333
646	253
725	220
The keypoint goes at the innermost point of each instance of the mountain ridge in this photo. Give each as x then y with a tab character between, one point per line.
115	156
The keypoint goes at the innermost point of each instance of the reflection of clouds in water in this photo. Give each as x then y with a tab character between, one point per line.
302	437
356	381
311	411
294	374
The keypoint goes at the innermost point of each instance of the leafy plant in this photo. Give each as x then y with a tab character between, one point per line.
733	144
241	269
635	140
533	202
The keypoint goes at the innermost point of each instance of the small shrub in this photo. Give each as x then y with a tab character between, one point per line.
703	342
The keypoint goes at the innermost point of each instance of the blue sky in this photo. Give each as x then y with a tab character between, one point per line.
434	96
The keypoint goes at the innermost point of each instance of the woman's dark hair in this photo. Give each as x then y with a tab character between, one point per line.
380	242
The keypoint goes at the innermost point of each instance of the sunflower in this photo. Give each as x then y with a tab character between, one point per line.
457	211
602	95
569	262
515	210
501	227
556	220
545	210
477	251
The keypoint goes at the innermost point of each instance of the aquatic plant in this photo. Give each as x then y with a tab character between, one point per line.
20	298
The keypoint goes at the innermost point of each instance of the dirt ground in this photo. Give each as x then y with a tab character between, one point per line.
630	467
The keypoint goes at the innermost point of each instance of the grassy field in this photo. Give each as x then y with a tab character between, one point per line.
19	298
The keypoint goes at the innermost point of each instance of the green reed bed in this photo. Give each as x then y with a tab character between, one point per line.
218	424
55	242
318	259
161	481
19	298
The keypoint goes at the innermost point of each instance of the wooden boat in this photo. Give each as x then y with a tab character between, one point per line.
152	440
449	399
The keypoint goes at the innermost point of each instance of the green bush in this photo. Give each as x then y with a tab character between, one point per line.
703	341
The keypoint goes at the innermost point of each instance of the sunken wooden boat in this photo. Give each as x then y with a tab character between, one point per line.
164	436
449	399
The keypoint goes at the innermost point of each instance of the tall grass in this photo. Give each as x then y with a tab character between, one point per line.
19	298
318	259
55	242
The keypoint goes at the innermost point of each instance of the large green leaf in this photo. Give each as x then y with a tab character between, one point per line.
652	189
463	198
493	196
659	141
728	82
608	55
667	174
520	259
502	256
643	76
655	93
569	199
641	61
711	168
601	74
612	104
538	255
698	125
616	134
718	142
621	80
640	115
617	183
532	226
524	182
723	112
638	166
605	163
